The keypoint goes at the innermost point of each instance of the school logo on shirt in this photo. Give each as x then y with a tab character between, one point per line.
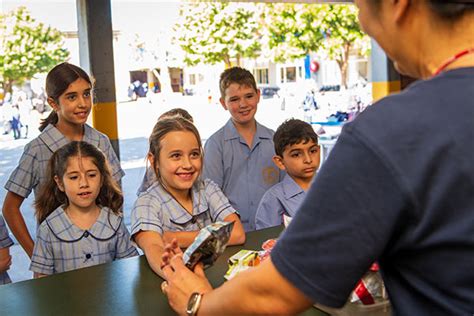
270	175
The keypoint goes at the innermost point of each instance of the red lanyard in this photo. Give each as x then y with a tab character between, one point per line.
453	59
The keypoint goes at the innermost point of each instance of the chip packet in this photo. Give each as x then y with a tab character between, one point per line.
246	259
368	298
370	289
208	245
241	261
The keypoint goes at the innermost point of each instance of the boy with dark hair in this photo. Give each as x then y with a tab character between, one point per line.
238	157
297	152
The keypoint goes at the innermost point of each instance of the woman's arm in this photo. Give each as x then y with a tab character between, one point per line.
5	260
152	245
261	291
237	237
16	222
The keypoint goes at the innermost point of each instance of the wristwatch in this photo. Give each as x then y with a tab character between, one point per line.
193	304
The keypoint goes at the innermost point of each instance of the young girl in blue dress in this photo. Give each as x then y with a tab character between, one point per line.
69	90
78	209
179	203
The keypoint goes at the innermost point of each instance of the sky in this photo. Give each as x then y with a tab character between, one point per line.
141	16
151	20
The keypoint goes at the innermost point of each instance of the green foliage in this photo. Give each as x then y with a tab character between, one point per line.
27	47
293	30
331	31
212	32
341	24
306	28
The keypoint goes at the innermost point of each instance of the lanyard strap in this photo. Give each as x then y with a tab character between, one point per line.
453	59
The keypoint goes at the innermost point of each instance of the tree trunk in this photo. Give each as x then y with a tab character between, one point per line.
344	73
7	85
227	61
343	63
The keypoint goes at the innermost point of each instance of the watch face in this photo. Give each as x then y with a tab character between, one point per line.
193	298
193	304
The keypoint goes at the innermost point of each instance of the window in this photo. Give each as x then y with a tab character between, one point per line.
290	74
261	75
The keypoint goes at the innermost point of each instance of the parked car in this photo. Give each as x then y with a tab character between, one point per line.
268	92
330	88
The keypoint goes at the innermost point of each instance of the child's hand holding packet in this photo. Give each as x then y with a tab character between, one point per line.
208	245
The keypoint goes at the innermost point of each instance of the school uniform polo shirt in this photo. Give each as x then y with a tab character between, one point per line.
156	210
31	169
283	198
62	246
5	242
244	174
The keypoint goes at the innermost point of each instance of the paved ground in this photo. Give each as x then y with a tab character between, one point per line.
135	121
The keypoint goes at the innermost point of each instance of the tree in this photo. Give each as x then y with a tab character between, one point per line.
292	30
212	32
333	31
27	47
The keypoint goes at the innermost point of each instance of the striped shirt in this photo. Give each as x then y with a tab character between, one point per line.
31	170
62	246
156	210
5	242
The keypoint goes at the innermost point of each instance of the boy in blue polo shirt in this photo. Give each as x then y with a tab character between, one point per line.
297	152
238	157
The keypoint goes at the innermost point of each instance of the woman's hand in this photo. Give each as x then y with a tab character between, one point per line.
171	249
181	282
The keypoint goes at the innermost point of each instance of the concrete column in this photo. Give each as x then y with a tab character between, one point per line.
94	19
385	79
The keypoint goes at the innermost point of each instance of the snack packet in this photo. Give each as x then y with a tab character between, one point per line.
370	289
241	261
368	298
246	259
208	245
267	247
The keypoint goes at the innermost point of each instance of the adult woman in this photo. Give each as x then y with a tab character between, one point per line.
404	168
